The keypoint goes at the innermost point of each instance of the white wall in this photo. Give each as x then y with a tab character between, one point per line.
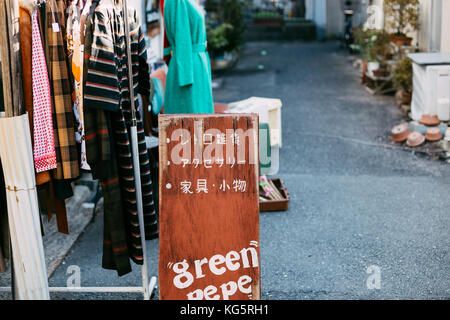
423	35
445	31
316	10
433	35
329	16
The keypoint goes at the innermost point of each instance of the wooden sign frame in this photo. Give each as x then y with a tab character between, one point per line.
209	207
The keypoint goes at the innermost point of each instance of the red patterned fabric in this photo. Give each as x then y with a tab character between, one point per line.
44	144
166	41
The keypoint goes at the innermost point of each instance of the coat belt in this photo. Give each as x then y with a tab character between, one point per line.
196	47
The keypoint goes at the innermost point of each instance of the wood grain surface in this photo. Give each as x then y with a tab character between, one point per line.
209	233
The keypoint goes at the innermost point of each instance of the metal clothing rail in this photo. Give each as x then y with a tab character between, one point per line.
147	286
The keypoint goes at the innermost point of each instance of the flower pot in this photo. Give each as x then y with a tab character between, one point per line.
380	73
364	66
224	61
400	40
400	133
415	139
433	134
429	120
363	71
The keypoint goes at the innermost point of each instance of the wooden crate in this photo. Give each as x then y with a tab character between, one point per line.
276	205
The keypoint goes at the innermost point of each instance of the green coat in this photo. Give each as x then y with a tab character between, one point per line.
188	84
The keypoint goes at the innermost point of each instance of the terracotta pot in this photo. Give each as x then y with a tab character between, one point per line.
433	134
430	120
400	40
400	133
415	139
380	73
364	66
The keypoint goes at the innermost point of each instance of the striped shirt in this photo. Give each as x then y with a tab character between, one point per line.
107	76
107	91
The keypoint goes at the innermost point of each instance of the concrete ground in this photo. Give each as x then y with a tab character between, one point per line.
357	200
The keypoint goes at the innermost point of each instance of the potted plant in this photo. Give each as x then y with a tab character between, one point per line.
403	80
268	18
217	39
376	50
402	16
360	40
217	44
229	12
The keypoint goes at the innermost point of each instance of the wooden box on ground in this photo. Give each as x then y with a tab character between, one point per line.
276	205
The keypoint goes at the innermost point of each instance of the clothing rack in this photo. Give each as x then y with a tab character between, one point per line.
147	286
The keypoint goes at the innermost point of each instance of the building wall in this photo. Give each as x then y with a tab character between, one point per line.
433	35
423	35
316	10
335	19
329	16
445	26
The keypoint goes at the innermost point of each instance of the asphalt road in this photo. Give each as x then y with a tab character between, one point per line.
357	200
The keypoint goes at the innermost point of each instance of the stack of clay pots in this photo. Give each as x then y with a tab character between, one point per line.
401	133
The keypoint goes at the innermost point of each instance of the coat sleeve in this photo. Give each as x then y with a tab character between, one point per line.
144	70
183	44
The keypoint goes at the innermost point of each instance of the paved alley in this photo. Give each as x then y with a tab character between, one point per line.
357	200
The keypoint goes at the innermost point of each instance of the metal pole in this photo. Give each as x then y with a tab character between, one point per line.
135	150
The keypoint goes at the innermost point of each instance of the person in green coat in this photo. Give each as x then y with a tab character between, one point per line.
188	84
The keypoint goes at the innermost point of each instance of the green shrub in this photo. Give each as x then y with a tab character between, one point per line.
374	44
229	12
403	75
217	36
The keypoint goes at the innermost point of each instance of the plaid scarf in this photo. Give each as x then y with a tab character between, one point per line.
60	81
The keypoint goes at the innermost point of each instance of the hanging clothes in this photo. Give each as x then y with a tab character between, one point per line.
78	11
108	120
61	86
25	26
44	146
166	43
104	167
26	51
158	97
188	86
43	116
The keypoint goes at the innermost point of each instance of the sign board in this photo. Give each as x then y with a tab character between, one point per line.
209	214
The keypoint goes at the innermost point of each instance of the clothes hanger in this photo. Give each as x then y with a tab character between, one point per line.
38	3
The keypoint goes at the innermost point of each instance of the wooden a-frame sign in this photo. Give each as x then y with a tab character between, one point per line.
209	214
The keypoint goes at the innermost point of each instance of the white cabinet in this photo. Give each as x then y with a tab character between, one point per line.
431	85
443	94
